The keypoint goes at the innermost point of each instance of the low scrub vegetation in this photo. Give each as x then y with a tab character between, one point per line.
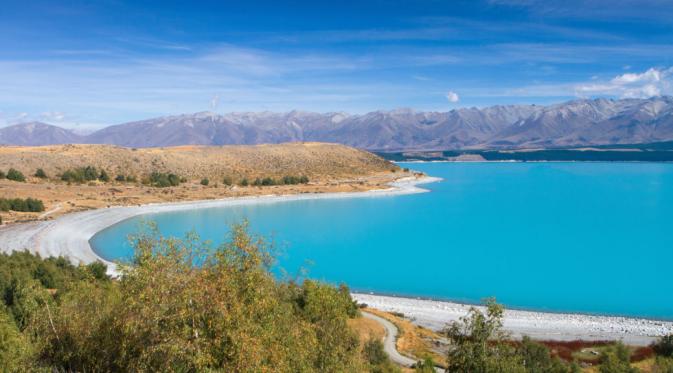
21	205
479	344
285	180
229	314
14	175
164	180
84	174
39	173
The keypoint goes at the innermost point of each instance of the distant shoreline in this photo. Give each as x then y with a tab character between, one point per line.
435	314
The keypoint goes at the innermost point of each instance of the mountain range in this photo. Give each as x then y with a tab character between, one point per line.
575	123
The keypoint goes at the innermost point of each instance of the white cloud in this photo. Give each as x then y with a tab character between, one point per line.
52	116
452	97
653	82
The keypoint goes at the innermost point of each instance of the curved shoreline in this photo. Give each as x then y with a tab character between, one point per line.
69	236
435	314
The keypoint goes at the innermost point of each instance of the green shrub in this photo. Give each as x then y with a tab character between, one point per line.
21	205
104	177
40	173
163	180
15	175
227	181
81	174
205	181
98	270
120	178
244	182
425	366
663	365
617	359
664	346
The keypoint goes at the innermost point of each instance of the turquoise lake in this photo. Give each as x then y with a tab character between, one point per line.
570	237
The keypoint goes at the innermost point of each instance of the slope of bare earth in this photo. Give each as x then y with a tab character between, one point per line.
329	167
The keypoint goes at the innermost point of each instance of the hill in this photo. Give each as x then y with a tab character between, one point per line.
201	172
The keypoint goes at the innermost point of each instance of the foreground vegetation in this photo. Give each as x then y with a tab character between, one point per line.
479	344
227	314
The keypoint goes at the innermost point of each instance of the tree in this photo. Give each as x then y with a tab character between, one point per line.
244	182
479	344
205	181
40	173
229	313
120	178
15	175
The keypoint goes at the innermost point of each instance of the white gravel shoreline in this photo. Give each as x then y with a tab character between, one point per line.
435	315
69	236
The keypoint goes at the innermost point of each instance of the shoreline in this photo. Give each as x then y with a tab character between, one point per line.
435	314
69	236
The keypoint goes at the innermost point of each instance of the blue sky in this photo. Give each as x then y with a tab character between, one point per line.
83	64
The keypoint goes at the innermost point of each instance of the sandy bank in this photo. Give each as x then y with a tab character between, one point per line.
69	235
539	325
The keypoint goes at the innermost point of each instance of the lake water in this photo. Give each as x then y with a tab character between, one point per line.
575	237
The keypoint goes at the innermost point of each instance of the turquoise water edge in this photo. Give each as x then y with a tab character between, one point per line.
565	237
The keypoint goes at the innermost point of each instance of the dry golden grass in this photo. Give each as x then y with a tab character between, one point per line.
367	329
316	160
413	340
330	168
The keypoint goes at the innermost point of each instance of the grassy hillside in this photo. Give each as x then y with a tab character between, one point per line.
316	160
79	177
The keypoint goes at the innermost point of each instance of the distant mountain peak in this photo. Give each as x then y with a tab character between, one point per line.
579	122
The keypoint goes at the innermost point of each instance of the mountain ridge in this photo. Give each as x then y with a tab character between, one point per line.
573	123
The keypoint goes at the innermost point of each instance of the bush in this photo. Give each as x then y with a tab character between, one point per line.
291	180
164	314
374	353
3	175
664	346
205	181
163	180
481	345
663	365
40	173
15	175
425	366
617	359
81	174
98	270
227	181
120	178
104	177
21	205
244	182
